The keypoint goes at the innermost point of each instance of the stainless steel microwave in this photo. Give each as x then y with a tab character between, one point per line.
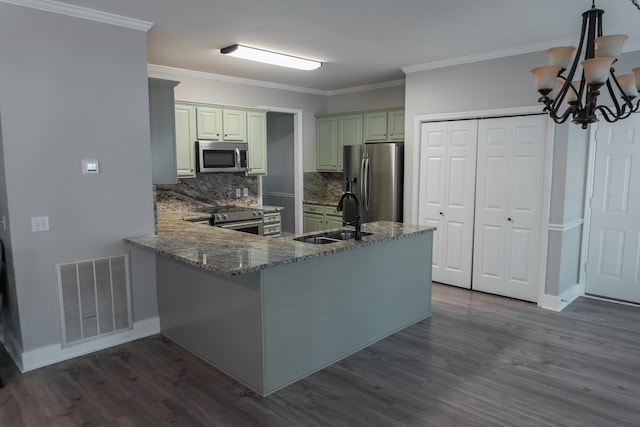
215	156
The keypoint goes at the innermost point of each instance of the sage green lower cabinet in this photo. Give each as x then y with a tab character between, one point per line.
332	218
185	119
320	217
273	327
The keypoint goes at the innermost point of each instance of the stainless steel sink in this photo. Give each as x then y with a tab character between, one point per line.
330	237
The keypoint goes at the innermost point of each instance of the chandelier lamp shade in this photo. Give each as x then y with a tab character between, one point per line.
564	96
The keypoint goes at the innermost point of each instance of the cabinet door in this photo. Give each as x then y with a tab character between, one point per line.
209	123
349	133
327	144
257	139
375	126
508	222
312	222
185	119
447	196
395	126
234	125
332	218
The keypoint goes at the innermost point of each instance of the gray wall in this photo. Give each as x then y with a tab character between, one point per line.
389	97
72	89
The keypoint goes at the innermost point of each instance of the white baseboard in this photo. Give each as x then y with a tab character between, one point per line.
559	303
50	354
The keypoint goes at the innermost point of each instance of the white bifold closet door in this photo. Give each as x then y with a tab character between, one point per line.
613	267
510	176
447	187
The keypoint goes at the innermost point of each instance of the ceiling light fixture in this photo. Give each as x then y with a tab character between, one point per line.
268	57
597	71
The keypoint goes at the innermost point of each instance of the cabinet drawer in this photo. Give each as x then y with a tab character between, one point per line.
272	218
313	208
332	211
272	230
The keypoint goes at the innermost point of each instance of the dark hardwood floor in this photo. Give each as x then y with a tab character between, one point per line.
481	360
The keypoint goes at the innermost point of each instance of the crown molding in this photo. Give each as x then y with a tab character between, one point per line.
495	54
269	85
84	13
364	88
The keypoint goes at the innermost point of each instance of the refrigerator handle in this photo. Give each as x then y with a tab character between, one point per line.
363	182
367	185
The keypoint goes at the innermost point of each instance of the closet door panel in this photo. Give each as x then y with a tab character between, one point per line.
447	196
509	199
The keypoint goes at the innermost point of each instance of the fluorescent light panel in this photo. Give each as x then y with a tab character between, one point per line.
268	57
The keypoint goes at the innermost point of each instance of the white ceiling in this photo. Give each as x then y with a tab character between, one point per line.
360	42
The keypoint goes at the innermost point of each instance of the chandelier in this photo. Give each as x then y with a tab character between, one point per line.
579	98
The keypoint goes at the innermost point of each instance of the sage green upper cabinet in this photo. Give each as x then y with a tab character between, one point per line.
395	125
209	123
327	144
384	125
257	139
375	126
234	125
185	121
163	133
333	133
349	133
220	124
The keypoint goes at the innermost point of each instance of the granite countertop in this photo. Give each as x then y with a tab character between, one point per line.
231	253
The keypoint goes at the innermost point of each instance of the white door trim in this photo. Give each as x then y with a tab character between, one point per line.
548	156
297	160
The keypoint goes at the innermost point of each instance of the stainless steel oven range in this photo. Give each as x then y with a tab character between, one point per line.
235	218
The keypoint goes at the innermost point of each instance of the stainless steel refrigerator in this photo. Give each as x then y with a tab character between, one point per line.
375	173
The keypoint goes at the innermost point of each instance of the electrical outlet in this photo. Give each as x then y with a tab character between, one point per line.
237	192
245	192
39	223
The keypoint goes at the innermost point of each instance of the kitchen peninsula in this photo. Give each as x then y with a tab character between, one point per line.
270	311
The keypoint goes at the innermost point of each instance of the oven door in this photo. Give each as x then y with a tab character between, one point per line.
253	226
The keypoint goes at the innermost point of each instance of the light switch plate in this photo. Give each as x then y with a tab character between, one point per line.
90	167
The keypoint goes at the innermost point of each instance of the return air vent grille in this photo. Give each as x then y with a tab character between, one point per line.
95	297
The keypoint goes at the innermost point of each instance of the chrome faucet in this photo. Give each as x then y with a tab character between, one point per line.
355	219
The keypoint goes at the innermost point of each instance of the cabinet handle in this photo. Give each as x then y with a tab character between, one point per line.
509	219
441	214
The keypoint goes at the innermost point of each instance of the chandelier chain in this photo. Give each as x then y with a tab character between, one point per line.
635	3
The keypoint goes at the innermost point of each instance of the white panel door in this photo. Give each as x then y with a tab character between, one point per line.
613	266
508	222
447	186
